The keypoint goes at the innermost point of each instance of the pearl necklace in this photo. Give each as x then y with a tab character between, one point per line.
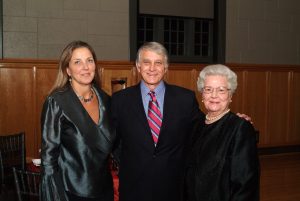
215	118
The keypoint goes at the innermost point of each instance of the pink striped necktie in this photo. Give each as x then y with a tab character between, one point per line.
154	117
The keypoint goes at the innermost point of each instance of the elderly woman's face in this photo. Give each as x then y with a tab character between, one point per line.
216	95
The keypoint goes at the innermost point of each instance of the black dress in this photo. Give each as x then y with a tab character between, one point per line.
223	164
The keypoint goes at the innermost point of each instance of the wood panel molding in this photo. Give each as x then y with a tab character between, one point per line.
267	93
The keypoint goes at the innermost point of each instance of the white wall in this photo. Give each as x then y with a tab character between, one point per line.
41	28
263	31
257	31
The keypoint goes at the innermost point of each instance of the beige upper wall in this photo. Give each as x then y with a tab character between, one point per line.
263	31
257	31
187	8
41	28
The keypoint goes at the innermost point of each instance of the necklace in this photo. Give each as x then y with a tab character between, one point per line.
215	118
85	100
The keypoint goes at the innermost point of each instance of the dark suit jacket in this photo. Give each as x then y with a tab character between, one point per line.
75	150
149	173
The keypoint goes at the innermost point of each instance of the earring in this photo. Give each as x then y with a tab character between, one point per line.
70	79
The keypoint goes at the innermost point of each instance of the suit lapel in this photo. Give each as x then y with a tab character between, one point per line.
168	102
139	111
74	110
78	115
139	107
141	115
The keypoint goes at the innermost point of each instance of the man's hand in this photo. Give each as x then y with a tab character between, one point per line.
244	116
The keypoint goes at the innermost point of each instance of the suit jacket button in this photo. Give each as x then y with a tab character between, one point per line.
154	156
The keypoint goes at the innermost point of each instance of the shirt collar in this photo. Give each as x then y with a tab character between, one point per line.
159	90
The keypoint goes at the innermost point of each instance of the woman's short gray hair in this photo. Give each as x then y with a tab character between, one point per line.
218	69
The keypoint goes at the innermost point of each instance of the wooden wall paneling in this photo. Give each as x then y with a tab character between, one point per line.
267	93
115	70
237	104
184	75
278	110
17	110
294	120
195	74
108	74
183	78
256	101
3	90
45	77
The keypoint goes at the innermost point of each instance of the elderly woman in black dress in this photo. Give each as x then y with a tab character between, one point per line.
223	164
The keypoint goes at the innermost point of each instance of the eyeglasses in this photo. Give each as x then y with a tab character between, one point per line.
219	90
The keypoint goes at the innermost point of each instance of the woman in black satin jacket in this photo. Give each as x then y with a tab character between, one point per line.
77	132
223	164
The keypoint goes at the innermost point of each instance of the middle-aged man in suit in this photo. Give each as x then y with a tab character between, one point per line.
153	141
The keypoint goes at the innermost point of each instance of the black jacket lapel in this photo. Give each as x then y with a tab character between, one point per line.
78	115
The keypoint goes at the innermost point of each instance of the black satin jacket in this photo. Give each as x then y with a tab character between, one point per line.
224	164
75	151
